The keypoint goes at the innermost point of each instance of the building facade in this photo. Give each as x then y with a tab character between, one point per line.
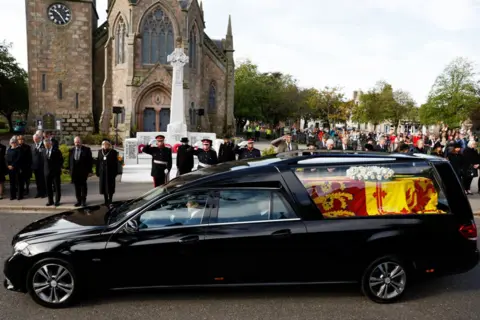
117	75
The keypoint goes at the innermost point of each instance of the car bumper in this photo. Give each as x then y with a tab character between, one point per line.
457	264
15	270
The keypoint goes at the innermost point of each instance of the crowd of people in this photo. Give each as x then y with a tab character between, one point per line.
458	146
44	161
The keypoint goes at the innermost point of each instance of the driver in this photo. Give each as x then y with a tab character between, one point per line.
195	212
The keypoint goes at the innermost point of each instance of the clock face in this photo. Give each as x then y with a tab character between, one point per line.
59	14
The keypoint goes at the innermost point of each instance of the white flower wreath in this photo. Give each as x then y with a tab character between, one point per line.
372	173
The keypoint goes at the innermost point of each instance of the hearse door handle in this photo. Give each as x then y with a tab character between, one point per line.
282	233
189	239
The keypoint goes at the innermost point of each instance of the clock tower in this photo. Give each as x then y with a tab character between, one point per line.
60	63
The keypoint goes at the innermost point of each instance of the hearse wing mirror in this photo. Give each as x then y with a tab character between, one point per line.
131	226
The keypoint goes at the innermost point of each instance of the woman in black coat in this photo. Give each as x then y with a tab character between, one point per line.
471	161
107	170
14	165
456	159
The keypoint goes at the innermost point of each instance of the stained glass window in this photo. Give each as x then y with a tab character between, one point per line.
120	42
212	98
192	49
157	37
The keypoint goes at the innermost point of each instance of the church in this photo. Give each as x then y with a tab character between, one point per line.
116	76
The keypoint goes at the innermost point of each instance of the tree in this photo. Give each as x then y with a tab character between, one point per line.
13	85
248	93
373	105
454	95
399	106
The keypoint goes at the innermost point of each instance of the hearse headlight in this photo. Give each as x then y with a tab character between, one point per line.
21	247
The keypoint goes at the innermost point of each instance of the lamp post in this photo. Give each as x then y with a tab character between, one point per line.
116	111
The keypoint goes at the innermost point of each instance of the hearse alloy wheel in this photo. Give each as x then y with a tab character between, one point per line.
385	280
51	283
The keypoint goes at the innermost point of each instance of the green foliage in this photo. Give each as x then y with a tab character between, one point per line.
64	149
13	85
268	151
454	95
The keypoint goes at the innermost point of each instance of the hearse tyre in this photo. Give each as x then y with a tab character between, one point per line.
52	283
385	279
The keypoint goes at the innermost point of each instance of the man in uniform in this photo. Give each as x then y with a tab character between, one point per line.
184	157
249	152
161	160
206	156
227	151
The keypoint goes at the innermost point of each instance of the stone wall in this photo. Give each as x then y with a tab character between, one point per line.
60	54
214	71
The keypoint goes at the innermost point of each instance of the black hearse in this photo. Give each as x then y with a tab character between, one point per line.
377	219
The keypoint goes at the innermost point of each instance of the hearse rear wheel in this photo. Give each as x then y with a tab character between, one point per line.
52	283
385	280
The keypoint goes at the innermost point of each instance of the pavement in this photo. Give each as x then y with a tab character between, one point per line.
449	298
123	191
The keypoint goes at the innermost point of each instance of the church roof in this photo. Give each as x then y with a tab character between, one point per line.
219	44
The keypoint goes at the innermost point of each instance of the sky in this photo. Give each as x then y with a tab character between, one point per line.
351	44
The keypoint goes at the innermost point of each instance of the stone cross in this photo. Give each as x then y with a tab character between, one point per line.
178	125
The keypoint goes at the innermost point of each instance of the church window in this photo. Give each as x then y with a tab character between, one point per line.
192	49
60	90
157	37
120	42
44	82
193	115
212	98
76	100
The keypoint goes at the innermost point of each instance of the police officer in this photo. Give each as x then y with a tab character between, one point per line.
184	157
227	151
161	160
206	156
249	152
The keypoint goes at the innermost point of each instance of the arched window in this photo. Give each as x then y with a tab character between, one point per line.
120	42
193	119
212	98
192	49
157	37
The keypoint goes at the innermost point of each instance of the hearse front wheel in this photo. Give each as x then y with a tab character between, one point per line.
385	280
52	283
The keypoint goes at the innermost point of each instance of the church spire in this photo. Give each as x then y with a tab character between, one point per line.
229	28
229	37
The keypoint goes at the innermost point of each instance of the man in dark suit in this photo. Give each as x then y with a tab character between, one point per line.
80	165
52	168
37	166
344	146
227	151
185	160
382	145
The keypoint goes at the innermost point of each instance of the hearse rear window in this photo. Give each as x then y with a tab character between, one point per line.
372	190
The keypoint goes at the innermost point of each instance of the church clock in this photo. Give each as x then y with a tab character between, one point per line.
59	14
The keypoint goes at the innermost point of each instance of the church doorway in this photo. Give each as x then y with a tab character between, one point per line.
149	120
164	119
153	110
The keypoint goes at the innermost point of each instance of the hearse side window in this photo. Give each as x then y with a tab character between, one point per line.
187	209
371	189
251	205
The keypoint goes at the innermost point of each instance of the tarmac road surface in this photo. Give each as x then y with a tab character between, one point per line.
452	298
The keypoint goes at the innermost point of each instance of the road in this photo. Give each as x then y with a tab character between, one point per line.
453	298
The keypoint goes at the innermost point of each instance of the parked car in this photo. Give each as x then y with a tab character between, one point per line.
330	217
19	127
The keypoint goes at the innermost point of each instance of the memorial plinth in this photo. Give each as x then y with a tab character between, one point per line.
137	164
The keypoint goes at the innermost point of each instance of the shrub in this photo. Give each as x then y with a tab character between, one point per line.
268	151
65	150
96	139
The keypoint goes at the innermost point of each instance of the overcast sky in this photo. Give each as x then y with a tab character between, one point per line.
347	43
